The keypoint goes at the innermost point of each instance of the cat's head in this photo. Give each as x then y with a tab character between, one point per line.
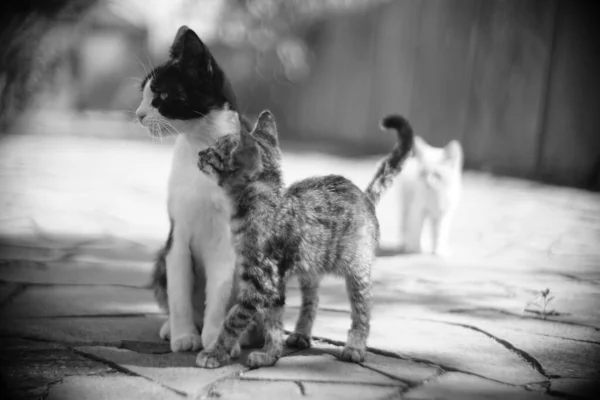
439	168
246	158
188	88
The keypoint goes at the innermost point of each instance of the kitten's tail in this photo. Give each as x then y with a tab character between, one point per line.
393	163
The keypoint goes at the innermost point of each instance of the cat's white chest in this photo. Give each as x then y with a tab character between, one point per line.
194	199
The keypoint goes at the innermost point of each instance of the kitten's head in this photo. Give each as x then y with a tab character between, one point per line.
439	168
185	89
250	157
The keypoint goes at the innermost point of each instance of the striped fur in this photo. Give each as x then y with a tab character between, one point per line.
318	226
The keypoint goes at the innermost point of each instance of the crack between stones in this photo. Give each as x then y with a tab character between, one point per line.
528	358
301	387
443	368
246	378
208	390
21	287
126	371
467	310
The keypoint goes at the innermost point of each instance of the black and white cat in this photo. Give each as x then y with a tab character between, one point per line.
189	95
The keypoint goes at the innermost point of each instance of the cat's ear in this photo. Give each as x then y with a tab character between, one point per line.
420	146
191	53
266	124
247	155
453	152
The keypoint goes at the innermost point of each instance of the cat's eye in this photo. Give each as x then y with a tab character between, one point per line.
164	95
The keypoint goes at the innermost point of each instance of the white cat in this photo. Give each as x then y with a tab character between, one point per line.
430	191
193	275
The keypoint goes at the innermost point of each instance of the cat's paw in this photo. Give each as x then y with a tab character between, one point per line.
298	341
353	354
186	342
258	359
212	359
165	331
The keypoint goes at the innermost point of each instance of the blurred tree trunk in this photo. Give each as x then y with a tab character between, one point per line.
35	35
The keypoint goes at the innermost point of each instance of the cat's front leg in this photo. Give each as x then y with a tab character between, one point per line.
219	264
440	229
180	280
412	232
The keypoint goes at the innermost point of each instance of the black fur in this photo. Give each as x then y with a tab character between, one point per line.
191	80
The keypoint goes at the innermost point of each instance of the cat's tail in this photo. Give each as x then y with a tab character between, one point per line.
393	163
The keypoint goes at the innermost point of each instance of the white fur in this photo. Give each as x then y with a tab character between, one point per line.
431	188
201	213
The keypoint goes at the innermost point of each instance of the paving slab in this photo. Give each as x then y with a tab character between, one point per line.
493	318
558	357
7	290
110	388
457	386
586	388
235	389
28	367
336	391
404	370
62	301
81	272
446	345
175	370
85	330
311	365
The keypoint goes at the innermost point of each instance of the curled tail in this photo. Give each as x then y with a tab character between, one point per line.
393	163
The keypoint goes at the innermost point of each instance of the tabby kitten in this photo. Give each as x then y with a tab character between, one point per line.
431	189
317	226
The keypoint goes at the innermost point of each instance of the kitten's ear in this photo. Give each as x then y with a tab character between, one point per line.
188	50
454	153
266	123
247	155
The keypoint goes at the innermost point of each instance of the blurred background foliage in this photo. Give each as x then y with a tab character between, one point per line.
514	80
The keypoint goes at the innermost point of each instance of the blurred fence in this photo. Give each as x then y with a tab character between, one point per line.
515	80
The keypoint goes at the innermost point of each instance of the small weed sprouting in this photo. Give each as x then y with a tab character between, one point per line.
541	303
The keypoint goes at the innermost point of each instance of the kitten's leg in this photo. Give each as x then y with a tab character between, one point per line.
358	286
300	338
259	287
271	351
440	229
180	281
237	321
413	228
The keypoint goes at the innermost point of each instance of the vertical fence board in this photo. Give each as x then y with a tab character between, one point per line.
571	147
508	88
444	64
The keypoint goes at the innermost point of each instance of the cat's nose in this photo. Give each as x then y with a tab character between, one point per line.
140	115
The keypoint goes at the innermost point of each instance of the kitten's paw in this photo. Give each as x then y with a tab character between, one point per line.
165	331
353	354
236	351
298	341
187	342
212	359
258	359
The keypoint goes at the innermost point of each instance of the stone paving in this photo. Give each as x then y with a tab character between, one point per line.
81	218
